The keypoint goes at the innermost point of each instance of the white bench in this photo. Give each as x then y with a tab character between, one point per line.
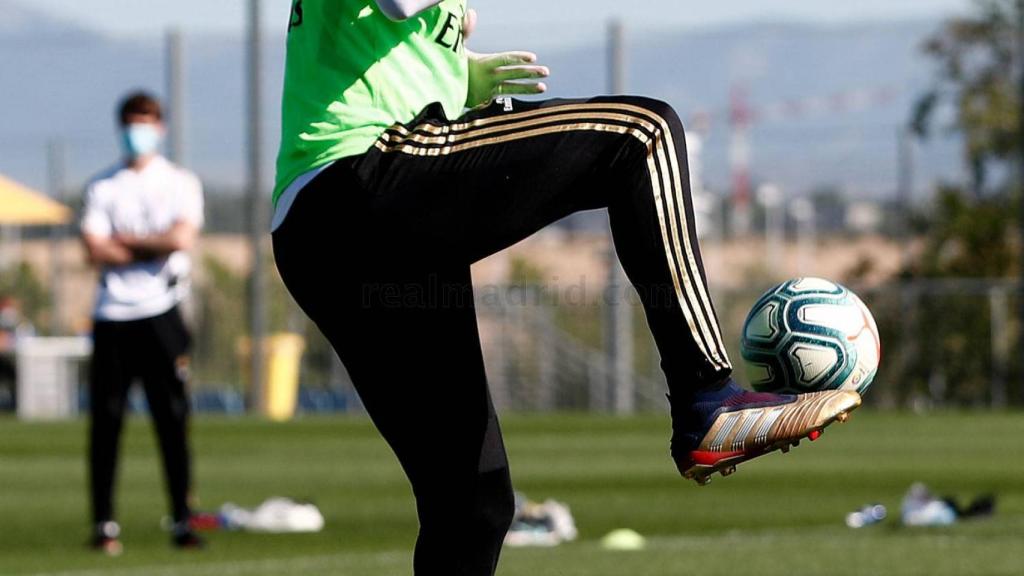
48	376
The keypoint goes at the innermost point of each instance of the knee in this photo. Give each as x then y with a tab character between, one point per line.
485	506
658	110
498	503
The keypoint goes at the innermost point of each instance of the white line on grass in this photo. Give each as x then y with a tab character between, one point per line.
273	566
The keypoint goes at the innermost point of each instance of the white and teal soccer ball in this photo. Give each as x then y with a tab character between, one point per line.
807	335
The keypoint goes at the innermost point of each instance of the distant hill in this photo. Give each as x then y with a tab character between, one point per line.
61	80
20	22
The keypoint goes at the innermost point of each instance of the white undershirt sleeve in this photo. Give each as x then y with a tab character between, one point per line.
404	9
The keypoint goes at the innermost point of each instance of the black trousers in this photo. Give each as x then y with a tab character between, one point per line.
377	251
152	350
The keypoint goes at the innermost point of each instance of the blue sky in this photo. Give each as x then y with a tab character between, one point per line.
547	22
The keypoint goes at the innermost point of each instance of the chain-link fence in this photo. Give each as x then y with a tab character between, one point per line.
946	343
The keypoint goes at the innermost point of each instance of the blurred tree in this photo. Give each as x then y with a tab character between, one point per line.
943	337
938	336
967	238
524	273
951	359
977	58
222	322
21	283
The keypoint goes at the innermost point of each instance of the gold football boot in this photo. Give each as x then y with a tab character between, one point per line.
755	424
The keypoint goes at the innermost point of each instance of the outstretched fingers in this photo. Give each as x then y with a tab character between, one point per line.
516	57
512	88
521	72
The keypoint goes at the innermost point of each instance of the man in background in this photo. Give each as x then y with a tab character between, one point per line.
138	221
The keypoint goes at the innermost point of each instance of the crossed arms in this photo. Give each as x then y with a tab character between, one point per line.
120	249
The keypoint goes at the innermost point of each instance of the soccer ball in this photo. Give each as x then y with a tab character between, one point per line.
807	335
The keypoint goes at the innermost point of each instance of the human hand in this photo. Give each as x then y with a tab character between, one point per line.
133	248
118	253
502	73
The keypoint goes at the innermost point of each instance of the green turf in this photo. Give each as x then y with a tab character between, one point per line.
780	516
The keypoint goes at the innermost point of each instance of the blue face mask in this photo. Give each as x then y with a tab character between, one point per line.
141	139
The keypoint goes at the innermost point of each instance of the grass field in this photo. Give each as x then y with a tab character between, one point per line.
781	516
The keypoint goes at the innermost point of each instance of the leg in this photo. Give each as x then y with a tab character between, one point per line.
163	344
488	180
8	384
492	178
401	225
408	337
109	379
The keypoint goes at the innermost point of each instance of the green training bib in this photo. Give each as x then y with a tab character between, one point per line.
350	73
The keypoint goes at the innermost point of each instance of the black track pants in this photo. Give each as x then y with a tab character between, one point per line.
377	250
151	350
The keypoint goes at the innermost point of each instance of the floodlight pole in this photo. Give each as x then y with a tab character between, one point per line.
1020	185
257	210
56	168
619	319
175	47
904	200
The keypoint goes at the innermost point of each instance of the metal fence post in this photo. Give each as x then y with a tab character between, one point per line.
999	312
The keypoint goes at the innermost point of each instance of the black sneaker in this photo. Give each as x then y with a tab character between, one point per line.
184	538
105	538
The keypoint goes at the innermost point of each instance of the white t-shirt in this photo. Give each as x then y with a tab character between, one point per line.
142	203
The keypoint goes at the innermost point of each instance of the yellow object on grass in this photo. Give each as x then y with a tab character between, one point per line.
623	539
